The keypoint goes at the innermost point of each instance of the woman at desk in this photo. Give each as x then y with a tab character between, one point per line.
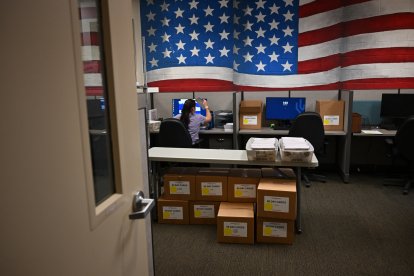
192	120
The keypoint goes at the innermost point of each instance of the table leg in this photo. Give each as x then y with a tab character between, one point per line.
298	195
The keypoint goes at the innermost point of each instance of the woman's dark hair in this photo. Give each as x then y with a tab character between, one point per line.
186	111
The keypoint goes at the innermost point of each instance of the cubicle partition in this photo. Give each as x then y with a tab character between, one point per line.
340	141
237	96
344	143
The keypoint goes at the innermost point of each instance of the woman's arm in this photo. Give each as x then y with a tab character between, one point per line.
208	113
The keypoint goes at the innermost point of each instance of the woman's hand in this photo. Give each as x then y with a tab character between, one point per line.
205	103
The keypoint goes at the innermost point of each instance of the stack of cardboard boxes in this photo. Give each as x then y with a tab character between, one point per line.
276	206
228	198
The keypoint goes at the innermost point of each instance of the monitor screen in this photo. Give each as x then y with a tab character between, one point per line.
397	105
177	106
284	108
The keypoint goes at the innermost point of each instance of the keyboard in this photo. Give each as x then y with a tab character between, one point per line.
281	128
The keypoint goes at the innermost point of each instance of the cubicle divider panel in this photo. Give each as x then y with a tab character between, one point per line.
237	97
344	143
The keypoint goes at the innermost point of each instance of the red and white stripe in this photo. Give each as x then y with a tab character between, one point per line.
90	48
351	44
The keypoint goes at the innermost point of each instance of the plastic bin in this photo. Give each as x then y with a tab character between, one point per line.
261	154
296	155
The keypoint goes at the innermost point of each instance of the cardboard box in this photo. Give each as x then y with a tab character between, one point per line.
332	113
242	185
179	183
172	211
235	223
271	230
211	184
203	212
356	122
276	198
250	114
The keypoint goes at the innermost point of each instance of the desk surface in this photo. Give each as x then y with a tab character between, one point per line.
217	156
270	131
383	133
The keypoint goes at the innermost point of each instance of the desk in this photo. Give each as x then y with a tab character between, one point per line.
276	132
370	150
222	156
217	138
384	133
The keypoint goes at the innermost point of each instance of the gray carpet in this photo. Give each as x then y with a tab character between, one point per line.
360	228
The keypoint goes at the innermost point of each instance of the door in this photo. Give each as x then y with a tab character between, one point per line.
50	222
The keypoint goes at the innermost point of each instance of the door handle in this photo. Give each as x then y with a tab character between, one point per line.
141	206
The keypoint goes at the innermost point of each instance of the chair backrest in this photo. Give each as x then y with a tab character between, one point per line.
404	139
309	125
174	134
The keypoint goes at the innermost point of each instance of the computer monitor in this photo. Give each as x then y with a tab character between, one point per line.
397	106
177	106
96	113
283	108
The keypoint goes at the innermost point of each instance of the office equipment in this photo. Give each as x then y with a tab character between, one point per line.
177	106
223	156
283	110
309	126
222	117
403	148
395	108
173	133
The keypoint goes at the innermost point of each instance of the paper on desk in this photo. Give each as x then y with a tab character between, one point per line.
263	143
294	143
368	131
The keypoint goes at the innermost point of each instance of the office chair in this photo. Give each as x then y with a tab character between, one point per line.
174	134
402	147
309	125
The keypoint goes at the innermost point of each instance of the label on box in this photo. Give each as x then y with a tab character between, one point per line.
204	211
180	187
276	204
245	190
211	189
331	120
275	229
170	212
250	120
235	229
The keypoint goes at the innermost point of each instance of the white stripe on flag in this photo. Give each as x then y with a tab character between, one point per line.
388	39
378	70
191	72
90	53
92	79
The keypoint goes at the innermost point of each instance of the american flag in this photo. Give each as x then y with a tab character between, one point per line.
91	55
221	45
